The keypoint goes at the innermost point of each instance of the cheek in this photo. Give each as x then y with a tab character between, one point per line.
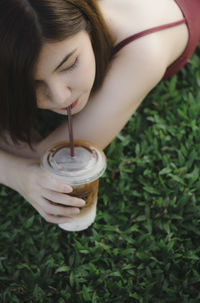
84	79
93	70
90	72
92	63
87	71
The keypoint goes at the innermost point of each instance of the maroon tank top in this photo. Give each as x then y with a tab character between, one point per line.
191	12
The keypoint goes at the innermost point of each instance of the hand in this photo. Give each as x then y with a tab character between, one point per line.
46	194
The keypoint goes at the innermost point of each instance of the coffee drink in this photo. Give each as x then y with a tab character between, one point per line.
82	172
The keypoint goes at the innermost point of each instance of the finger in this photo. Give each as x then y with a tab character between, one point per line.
63	198
50	183
58	210
52	218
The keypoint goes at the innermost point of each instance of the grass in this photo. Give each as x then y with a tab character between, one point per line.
144	244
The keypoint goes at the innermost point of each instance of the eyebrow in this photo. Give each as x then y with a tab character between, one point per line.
64	60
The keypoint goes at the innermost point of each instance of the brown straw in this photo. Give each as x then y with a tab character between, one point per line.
71	138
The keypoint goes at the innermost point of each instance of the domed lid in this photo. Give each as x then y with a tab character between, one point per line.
87	165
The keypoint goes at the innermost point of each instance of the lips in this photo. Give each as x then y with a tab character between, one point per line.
72	105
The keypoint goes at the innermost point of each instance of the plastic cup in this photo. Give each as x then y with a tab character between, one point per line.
82	172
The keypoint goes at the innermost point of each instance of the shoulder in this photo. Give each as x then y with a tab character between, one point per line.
145	60
128	17
141	64
133	73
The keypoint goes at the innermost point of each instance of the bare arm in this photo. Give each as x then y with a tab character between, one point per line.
21	148
6	160
38	188
137	69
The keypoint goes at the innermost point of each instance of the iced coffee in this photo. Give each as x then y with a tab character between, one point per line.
82	172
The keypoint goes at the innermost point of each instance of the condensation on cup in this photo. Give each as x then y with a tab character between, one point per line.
82	172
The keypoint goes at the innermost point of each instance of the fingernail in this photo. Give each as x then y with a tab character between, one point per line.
81	202
68	189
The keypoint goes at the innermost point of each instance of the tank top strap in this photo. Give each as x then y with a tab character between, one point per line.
134	37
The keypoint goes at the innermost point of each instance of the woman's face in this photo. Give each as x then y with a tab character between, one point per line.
65	74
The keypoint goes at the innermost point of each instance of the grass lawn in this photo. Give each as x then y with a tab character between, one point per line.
144	244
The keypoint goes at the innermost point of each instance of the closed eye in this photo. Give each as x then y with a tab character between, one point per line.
40	83
72	66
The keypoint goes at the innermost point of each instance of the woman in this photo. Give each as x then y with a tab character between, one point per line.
99	57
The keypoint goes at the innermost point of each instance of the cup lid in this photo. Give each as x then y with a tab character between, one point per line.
87	165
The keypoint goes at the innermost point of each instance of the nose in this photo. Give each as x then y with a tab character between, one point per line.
60	94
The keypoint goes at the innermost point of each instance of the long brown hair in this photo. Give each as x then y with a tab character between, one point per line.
24	26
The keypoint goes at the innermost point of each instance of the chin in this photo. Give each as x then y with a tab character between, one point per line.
79	107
